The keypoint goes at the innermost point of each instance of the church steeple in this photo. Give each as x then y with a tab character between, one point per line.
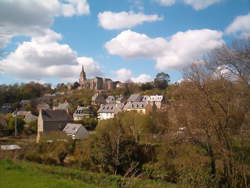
82	77
83	69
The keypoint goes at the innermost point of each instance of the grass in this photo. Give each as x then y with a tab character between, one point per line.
14	176
21	174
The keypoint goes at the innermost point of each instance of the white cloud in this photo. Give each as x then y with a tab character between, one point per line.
124	75
33	18
240	25
196	4
166	2
178	51
111	20
142	78
201	4
44	57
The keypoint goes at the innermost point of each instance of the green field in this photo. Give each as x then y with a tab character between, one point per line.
14	176
21	174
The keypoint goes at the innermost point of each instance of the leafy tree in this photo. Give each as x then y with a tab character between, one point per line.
162	80
146	86
12	122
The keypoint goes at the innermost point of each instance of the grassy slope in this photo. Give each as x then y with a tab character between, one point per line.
13	176
21	174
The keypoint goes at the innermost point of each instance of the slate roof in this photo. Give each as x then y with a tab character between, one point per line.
110	99
62	106
135	98
81	111
110	108
30	117
43	106
24	102
135	105
71	128
23	113
55	115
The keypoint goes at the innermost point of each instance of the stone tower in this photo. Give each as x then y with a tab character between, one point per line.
83	79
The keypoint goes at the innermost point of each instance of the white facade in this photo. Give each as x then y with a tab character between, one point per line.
103	116
153	99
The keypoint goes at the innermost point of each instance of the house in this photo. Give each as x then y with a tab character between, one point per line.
21	113
6	108
82	113
62	106
120	99
76	131
43	106
108	111
153	99
110	100
51	120
140	107
25	102
135	98
30	117
98	99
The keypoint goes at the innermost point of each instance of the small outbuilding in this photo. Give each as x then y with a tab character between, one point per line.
76	131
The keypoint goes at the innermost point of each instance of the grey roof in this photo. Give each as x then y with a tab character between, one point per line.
43	106
62	106
10	147
81	110
55	115
110	99
135	98
110	108
23	102
97	96
23	113
135	105
71	128
152	98
30	117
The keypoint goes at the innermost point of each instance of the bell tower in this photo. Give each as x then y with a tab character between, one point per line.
83	78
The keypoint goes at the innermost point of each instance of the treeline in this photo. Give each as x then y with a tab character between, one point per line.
15	93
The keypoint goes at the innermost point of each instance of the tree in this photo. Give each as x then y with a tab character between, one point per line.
162	80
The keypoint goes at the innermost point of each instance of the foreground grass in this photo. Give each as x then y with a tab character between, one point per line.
14	176
21	174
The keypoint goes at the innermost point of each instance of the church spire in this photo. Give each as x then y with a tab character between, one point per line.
82	68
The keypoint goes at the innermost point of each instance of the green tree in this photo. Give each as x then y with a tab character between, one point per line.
162	80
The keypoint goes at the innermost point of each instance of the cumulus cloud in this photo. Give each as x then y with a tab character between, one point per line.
124	75
44	57
142	78
240	25
176	52
33	18
111	20
196	4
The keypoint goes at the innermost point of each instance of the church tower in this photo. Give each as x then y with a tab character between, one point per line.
83	78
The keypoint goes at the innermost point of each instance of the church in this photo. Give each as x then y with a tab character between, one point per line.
97	83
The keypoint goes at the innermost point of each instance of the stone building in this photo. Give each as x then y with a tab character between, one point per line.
50	121
97	83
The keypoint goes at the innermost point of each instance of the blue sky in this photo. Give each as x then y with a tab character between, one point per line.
49	40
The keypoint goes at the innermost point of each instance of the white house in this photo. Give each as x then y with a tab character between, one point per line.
153	99
82	113
108	111
76	131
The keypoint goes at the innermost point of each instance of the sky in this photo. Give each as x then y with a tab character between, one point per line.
48	41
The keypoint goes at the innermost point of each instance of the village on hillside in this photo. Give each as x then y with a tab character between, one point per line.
48	115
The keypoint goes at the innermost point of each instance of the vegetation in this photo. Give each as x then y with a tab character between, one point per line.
199	139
